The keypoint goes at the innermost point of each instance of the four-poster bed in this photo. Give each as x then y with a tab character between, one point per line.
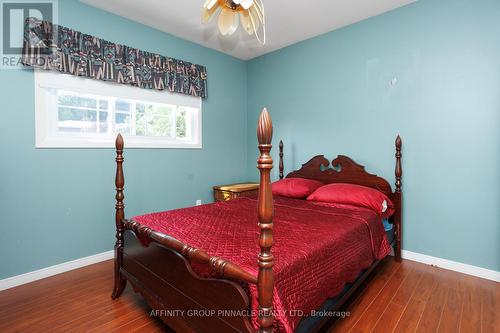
170	273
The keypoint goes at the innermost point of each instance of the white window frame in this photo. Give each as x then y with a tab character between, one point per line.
48	79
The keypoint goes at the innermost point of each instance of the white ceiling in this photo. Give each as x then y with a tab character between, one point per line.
287	22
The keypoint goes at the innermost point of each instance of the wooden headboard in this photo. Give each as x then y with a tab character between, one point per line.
344	170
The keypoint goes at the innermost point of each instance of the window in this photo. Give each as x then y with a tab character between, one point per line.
78	112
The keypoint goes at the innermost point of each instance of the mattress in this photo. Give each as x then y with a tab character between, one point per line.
318	248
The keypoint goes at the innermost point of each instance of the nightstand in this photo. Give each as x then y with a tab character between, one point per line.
228	192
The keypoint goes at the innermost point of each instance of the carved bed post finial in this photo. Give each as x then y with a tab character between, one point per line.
398	198
281	166
120	282
265	284
399	169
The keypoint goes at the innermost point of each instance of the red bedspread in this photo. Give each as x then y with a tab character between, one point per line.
318	248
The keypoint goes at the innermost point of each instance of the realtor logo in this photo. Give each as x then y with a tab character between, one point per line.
13	14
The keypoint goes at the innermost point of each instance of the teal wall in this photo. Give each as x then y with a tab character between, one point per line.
57	204
331	95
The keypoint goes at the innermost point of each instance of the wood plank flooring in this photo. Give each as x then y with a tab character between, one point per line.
406	297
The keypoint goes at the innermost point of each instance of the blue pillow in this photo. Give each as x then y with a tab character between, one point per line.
387	226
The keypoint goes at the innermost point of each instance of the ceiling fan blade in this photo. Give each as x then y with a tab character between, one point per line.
246	22
228	21
254	13
246	3
258	10
207	14
209	4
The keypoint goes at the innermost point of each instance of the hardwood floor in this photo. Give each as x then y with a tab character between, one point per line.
406	297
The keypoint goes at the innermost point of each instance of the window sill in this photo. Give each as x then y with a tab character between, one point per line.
130	142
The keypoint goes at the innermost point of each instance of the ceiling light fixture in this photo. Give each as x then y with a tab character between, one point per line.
231	12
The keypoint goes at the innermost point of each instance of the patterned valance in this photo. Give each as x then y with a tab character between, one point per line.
53	47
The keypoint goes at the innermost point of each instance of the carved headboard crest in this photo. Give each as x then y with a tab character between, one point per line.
342	170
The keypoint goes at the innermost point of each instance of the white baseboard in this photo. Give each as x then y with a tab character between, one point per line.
452	265
53	270
74	264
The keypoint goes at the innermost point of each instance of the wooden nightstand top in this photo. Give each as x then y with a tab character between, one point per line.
237	188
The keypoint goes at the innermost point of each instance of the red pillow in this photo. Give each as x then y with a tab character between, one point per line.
298	188
355	195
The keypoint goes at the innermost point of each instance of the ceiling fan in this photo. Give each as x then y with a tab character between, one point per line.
231	12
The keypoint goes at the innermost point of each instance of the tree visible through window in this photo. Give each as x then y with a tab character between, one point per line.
78	112
84	113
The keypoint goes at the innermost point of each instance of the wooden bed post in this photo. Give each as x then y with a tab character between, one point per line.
398	196
120	282
281	166
265	283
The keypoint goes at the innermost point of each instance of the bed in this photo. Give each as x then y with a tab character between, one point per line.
222	268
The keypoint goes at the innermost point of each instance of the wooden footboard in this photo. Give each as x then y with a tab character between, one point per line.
159	266
177	295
